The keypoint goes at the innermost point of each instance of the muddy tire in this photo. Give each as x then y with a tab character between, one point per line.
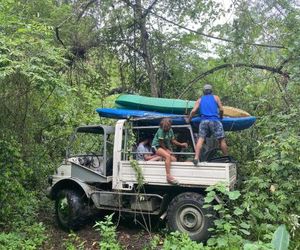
186	214
69	209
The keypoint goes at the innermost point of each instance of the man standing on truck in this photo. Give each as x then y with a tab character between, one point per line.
210	110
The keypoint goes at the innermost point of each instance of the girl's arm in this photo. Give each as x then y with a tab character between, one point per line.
179	144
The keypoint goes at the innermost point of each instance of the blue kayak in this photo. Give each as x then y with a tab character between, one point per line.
130	113
153	118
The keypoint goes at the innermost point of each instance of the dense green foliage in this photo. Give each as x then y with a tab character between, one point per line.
59	60
279	240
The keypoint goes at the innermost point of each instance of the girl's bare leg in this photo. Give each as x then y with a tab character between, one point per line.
167	156
173	158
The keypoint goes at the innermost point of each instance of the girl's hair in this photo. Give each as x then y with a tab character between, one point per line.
165	124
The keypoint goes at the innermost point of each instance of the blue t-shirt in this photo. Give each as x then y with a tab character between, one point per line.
209	109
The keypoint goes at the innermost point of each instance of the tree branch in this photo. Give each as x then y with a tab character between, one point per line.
119	90
123	36
147	11
129	3
233	65
85	8
58	37
282	92
215	37
69	17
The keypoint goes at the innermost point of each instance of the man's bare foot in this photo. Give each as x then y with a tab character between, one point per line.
195	161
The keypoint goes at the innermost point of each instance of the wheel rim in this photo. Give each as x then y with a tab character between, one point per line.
190	219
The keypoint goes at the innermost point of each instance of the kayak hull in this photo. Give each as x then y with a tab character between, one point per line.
153	118
165	105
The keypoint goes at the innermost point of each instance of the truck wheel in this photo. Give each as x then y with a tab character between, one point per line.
69	207
187	215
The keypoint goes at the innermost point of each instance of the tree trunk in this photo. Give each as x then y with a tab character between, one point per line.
141	20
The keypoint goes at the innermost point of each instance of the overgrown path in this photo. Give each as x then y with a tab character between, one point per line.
129	235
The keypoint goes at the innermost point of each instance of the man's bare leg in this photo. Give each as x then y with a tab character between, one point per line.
223	146
198	150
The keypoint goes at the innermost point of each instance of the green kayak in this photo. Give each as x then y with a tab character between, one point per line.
165	105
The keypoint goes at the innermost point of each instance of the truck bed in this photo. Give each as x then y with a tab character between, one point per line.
154	173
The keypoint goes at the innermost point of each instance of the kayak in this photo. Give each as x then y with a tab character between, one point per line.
165	105
153	118
129	113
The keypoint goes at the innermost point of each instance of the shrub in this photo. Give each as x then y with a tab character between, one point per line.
179	241
29	237
108	234
18	203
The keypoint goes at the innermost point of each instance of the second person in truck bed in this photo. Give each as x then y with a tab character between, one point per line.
144	152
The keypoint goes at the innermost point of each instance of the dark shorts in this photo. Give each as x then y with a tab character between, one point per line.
207	128
154	149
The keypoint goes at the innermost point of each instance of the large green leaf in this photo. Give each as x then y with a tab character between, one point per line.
281	238
234	195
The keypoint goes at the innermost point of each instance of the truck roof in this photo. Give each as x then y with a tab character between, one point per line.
95	129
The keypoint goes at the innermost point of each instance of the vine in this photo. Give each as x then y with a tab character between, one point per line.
134	164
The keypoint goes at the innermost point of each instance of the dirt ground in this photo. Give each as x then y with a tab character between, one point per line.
129	234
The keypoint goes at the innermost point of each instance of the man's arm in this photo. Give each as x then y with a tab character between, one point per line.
194	110
221	109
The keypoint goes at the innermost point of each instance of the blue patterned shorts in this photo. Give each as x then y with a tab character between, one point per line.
207	128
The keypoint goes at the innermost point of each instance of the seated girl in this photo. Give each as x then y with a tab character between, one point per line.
161	145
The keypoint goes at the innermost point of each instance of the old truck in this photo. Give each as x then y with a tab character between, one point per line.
97	174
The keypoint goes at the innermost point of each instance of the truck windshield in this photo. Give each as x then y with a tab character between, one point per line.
87	143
